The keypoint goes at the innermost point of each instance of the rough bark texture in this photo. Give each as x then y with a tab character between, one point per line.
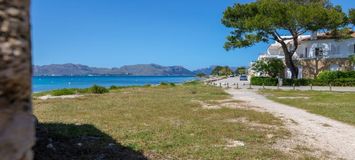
16	121
288	52
289	61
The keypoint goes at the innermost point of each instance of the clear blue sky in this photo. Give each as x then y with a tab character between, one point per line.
112	33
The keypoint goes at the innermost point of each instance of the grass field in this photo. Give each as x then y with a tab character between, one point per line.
163	122
336	105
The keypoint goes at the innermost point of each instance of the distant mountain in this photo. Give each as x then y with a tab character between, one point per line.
138	70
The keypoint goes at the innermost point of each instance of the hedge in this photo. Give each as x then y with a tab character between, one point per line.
297	82
259	81
344	82
267	81
331	76
318	82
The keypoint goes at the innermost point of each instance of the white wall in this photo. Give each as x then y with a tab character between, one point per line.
332	48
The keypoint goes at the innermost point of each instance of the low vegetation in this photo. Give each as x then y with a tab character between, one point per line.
161	122
95	89
222	71
201	75
98	89
332	76
267	81
62	92
241	71
326	78
336	105
167	84
269	67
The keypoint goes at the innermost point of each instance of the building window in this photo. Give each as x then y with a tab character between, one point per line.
319	52
354	49
306	53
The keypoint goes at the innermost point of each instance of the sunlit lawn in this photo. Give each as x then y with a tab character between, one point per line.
336	105
165	122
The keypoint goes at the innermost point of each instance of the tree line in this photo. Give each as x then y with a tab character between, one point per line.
226	71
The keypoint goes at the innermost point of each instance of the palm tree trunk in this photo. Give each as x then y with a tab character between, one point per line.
16	120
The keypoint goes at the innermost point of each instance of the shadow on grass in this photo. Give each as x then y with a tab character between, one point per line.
56	141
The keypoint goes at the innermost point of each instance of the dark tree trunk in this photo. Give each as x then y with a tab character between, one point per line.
16	119
288	52
289	62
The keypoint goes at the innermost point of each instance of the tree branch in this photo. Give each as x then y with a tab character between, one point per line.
295	40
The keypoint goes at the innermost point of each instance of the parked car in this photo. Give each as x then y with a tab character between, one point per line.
243	78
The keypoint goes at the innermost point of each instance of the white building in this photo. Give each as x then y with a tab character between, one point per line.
335	53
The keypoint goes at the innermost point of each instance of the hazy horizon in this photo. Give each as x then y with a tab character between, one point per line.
202	67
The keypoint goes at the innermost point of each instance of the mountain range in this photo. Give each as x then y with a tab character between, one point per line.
70	69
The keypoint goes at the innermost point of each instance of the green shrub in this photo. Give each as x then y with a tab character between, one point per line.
61	92
201	75
114	87
147	85
344	82
297	82
320	82
267	81
164	83
331	76
328	76
349	74
167	84
317	82
98	89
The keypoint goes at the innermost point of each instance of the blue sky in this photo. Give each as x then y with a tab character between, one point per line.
112	33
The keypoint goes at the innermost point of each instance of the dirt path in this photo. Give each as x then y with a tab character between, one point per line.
312	130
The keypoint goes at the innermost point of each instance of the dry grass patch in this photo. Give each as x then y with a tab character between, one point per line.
164	122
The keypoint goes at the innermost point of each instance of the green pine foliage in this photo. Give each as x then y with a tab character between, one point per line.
262	21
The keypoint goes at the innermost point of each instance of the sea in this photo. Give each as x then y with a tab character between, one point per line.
46	83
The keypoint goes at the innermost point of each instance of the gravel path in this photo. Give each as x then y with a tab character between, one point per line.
316	131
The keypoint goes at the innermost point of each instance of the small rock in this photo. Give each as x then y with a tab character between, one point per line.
79	144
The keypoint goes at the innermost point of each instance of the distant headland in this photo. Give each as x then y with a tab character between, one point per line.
70	69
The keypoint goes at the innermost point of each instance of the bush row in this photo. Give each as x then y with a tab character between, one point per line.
267	81
302	82
332	76
70	91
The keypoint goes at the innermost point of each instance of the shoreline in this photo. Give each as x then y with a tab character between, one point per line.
50	83
119	86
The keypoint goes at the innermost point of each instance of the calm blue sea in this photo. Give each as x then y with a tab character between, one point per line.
45	83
